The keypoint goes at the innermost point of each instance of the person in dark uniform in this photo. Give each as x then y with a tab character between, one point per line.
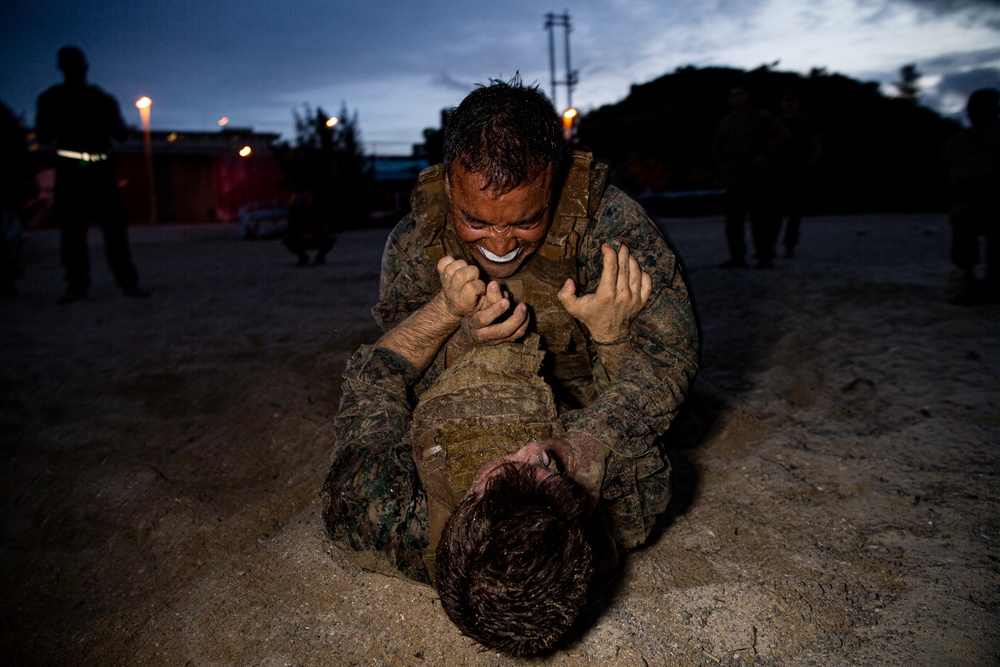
13	189
972	159
309	228
744	145
795	163
83	120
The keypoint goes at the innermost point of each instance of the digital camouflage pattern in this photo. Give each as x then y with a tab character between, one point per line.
373	502
629	415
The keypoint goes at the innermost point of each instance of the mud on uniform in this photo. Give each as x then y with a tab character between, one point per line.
373	502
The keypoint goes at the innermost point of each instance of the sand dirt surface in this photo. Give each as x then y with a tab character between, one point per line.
836	465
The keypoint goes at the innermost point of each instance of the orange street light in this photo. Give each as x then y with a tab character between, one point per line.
246	151
331	121
144	104
223	121
568	117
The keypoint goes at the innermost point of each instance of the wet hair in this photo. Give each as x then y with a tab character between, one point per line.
505	131
513	565
983	105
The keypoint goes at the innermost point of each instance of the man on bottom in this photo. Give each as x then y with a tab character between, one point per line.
510	540
514	560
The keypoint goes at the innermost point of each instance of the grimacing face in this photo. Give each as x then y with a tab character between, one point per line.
499	232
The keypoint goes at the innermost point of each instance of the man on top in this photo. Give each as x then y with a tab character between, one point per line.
513	237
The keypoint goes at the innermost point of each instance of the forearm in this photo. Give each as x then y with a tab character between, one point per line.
611	356
420	337
639	404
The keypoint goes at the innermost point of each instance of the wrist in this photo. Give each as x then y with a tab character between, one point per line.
443	309
611	342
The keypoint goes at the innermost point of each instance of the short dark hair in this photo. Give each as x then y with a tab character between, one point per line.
513	564
507	132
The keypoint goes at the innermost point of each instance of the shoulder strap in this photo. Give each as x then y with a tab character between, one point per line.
581	194
429	207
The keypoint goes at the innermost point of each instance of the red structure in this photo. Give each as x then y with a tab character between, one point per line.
200	176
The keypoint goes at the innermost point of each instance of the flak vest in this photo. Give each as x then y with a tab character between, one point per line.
494	400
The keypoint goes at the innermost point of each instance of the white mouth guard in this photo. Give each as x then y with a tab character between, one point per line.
497	258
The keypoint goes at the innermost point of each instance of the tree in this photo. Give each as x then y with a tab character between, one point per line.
327	161
880	153
908	86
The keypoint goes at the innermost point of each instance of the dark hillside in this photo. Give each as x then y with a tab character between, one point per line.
880	153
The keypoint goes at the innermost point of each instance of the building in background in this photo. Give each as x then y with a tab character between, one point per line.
197	176
219	176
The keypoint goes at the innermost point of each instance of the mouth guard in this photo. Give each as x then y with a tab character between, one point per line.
497	258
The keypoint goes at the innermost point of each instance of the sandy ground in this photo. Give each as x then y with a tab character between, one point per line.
837	465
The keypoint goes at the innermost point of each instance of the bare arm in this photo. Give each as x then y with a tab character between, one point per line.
420	336
465	303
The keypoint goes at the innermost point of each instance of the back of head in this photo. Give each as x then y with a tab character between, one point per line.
505	131
72	62
513	565
983	106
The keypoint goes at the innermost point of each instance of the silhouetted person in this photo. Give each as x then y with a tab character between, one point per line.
83	120
13	186
309	228
794	162
973	162
743	145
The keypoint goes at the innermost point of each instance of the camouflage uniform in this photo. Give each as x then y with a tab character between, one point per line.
373	501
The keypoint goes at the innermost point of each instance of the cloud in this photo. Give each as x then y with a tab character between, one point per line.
970	80
971	12
962	59
400	62
447	81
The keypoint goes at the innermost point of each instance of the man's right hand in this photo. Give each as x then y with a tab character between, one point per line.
460	285
480	306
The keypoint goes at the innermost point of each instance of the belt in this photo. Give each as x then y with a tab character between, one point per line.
83	157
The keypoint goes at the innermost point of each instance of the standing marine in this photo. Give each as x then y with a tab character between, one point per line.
83	120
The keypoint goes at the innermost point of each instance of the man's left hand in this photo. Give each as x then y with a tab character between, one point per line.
622	292
584	460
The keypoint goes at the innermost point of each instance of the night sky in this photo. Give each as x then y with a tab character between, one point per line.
397	64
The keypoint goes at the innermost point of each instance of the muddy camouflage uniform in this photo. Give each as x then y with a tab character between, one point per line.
373	501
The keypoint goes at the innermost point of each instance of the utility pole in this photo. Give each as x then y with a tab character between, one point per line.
560	20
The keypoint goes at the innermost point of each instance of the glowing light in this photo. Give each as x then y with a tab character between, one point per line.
172	136
246	151
144	105
568	117
331	121
223	121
